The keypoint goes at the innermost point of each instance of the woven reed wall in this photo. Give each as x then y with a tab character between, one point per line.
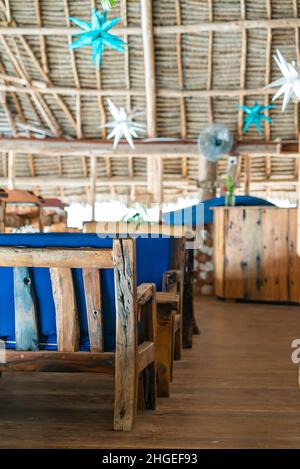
219	61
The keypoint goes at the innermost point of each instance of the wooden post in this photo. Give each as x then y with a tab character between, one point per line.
126	382
92	292
25	311
67	323
207	176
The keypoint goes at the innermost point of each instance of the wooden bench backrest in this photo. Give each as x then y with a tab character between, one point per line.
60	261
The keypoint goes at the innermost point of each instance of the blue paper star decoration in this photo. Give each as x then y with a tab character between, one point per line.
96	35
254	115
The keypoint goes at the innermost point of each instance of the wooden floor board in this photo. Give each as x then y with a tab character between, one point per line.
237	388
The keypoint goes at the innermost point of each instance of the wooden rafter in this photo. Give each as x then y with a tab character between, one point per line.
34	95
149	65
242	68
79	132
176	149
163	92
43	46
159	182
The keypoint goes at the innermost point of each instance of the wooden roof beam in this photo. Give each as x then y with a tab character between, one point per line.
172	149
217	26
167	93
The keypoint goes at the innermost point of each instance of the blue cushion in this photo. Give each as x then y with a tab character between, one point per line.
202	213
153	258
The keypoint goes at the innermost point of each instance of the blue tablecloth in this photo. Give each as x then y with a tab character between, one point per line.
153	259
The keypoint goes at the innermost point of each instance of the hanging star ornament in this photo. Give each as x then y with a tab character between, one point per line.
254	115
290	82
123	125
96	35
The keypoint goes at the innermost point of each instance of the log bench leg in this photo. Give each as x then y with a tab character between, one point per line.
164	350
126	373
190	326
148	328
177	345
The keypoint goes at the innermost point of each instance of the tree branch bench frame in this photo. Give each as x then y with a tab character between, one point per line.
132	305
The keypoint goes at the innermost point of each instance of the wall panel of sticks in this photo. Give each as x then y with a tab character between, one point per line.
209	57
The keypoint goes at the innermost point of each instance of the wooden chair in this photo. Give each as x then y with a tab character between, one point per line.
74	280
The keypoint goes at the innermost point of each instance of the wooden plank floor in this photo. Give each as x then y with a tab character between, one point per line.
236	388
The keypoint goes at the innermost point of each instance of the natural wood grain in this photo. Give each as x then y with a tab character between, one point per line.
164	348
91	279
59	362
147	359
237	388
166	297
50	257
26	328
173	282
144	293
67	322
219	250
189	323
126	334
146	355
255	254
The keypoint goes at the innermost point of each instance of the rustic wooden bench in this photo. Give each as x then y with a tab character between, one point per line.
134	309
173	287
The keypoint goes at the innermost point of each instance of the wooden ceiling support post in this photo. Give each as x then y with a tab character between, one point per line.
207	176
150	87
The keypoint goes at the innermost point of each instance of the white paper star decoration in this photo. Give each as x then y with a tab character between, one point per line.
290	82
123	125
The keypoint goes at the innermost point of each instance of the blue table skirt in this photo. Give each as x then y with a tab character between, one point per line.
153	259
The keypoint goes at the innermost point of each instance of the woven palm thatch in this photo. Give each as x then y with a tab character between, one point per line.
209	57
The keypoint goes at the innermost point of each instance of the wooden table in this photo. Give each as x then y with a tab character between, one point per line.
255	253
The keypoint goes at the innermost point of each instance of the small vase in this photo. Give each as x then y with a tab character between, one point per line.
229	200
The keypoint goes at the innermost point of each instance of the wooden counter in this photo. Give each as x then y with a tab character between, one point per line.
255	254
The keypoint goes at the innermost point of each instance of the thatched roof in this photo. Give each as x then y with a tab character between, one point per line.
210	56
